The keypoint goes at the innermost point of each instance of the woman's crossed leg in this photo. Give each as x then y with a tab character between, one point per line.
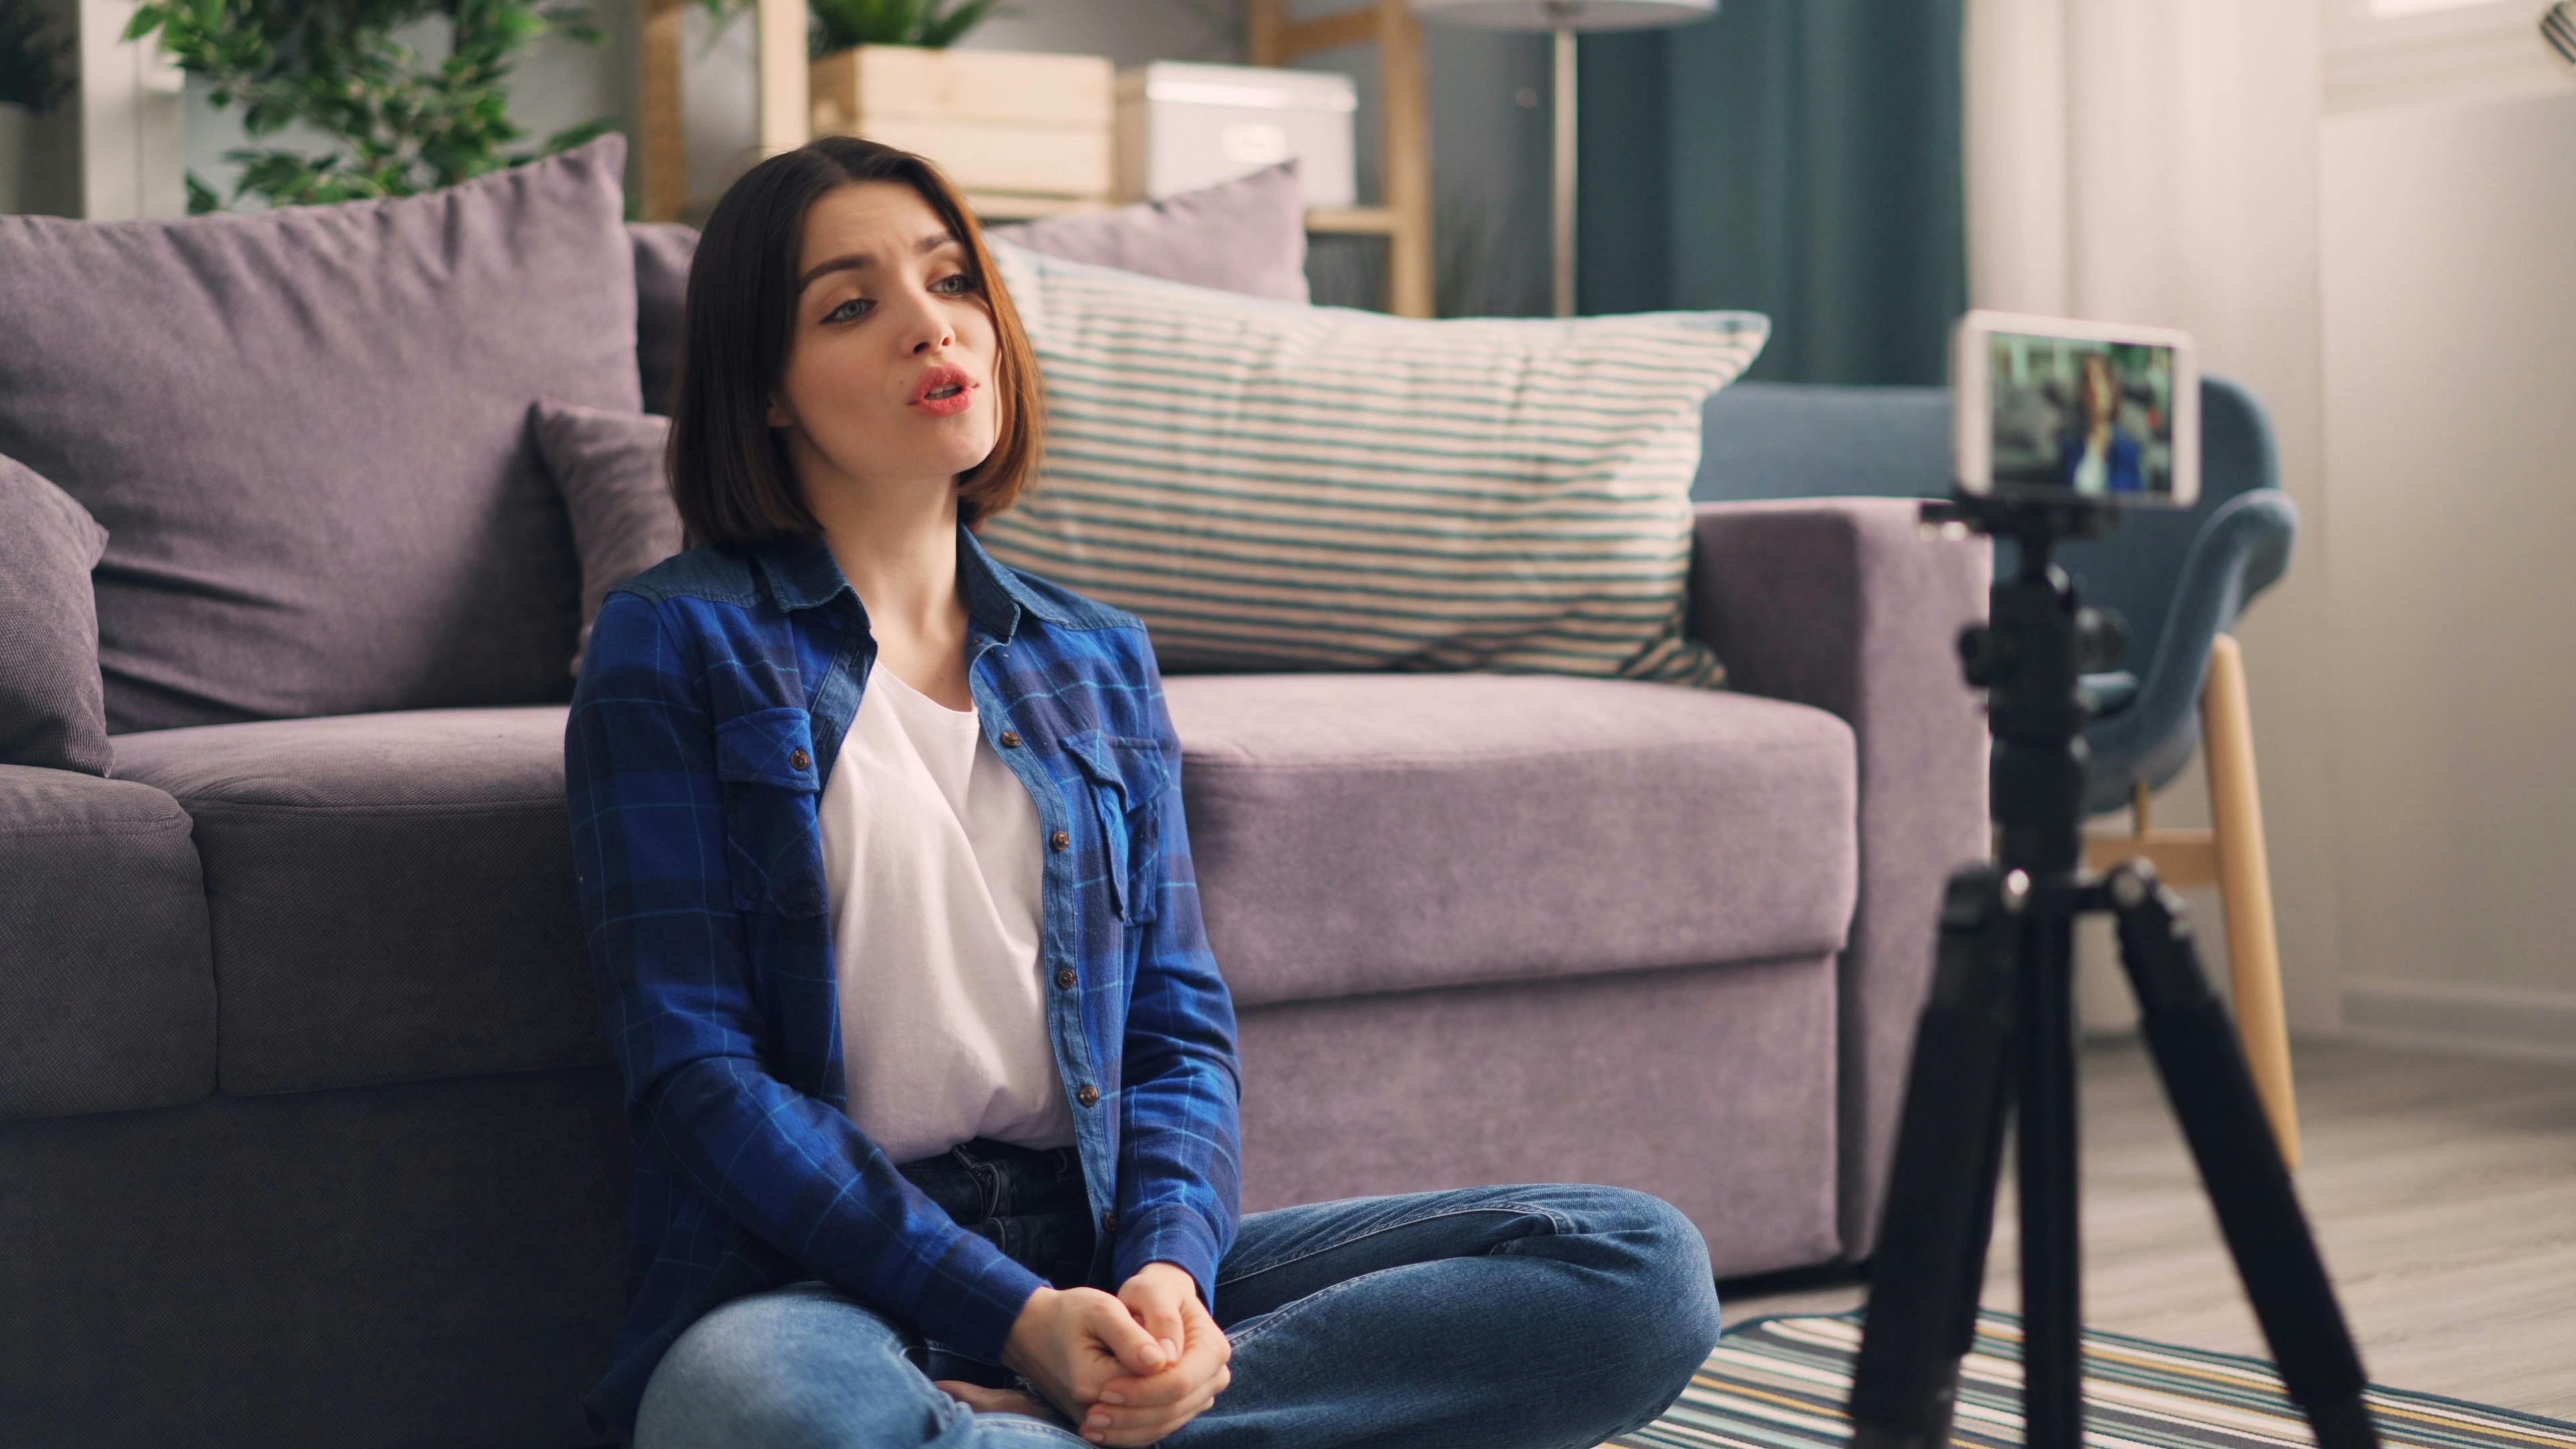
1521	1316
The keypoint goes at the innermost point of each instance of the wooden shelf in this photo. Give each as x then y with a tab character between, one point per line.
1354	220
999	206
1320	220
1326	221
785	122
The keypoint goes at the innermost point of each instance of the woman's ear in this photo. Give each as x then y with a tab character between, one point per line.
778	417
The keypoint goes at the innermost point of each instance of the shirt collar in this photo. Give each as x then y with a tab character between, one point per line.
802	573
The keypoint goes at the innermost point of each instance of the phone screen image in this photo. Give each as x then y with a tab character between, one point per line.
2079	416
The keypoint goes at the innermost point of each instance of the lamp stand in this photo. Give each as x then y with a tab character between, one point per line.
1564	174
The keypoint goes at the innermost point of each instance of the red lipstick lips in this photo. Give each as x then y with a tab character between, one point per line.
943	390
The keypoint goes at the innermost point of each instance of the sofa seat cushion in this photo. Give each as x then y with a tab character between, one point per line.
107	998
390	895
1357	833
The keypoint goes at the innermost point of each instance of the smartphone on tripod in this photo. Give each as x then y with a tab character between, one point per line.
2053	408
2060	426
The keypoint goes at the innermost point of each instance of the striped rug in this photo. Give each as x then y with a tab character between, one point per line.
1781	1383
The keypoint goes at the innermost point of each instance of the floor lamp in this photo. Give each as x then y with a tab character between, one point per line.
1564	17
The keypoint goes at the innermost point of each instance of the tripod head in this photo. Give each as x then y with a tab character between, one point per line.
2038	641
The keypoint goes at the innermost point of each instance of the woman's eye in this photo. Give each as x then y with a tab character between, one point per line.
835	315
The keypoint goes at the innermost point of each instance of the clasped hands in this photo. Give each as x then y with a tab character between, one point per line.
1129	1369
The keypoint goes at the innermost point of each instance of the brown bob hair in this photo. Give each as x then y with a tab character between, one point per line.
728	470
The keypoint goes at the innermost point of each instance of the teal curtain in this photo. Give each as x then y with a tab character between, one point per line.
1799	158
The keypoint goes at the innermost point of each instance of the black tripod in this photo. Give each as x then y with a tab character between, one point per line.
1998	1016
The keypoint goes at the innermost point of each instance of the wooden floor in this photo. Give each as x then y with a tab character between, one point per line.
2442	1191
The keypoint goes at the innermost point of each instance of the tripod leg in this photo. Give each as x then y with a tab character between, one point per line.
2212	1092
2051	1260
1941	1188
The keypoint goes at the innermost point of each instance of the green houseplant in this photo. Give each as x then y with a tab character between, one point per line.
408	123
840	24
34	78
35	70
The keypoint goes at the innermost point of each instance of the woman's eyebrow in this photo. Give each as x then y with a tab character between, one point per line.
859	261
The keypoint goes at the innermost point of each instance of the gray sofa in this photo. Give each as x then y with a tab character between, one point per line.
309	1137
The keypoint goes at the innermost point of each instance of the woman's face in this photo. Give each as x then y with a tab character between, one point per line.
885	308
2101	392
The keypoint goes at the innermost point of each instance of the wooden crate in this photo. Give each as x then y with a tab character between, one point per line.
1018	122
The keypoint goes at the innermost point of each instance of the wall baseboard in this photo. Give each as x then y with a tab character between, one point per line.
2452	1016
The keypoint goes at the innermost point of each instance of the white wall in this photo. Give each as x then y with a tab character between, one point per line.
2155	161
2450	344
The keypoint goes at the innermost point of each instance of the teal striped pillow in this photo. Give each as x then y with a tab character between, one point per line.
1272	486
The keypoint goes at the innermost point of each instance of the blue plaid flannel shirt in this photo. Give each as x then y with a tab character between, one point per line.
714	693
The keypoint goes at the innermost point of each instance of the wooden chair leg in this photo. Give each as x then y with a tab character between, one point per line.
2245	887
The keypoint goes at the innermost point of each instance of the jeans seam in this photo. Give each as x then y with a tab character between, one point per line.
1028	1426
1295	1308
1556	1223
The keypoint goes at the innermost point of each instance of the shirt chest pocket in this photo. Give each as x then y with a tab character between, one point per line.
1127	784
771	784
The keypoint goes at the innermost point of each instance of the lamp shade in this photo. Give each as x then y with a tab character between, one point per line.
1565	14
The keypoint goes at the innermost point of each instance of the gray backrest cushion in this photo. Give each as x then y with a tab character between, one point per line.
1245	235
50	710
305	431
608	466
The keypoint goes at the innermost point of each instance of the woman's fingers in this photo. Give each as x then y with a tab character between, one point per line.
1138	1425
1159	1403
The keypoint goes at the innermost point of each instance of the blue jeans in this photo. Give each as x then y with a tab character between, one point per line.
1526	1316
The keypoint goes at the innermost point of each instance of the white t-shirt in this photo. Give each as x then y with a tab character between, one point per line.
2093	468
935	860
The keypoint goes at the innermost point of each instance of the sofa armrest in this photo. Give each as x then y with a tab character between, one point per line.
1843	604
107	972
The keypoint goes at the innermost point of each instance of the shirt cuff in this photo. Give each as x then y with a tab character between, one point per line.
1171	1233
980	1301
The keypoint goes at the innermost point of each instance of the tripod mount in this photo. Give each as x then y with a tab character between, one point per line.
1996	1037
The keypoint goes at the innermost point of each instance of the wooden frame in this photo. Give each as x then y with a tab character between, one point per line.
1404	218
2231	857
783	88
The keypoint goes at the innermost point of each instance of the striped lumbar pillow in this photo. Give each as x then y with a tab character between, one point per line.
1276	486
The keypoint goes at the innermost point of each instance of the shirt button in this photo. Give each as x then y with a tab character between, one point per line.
1064	978
1109	1221
799	758
1088	1096
1010	739
1060	840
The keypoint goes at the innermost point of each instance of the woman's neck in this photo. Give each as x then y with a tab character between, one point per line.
902	560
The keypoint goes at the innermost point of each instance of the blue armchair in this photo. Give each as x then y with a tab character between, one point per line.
2179	579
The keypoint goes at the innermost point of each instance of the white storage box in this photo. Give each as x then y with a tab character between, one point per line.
1018	123
1182	124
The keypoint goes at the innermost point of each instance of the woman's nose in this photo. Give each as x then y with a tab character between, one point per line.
925	324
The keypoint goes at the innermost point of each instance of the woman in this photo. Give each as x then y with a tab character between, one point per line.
887	883
2097	455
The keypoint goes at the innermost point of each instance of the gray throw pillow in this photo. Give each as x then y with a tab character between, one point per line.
608	467
662	253
305	431
50	708
1245	235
